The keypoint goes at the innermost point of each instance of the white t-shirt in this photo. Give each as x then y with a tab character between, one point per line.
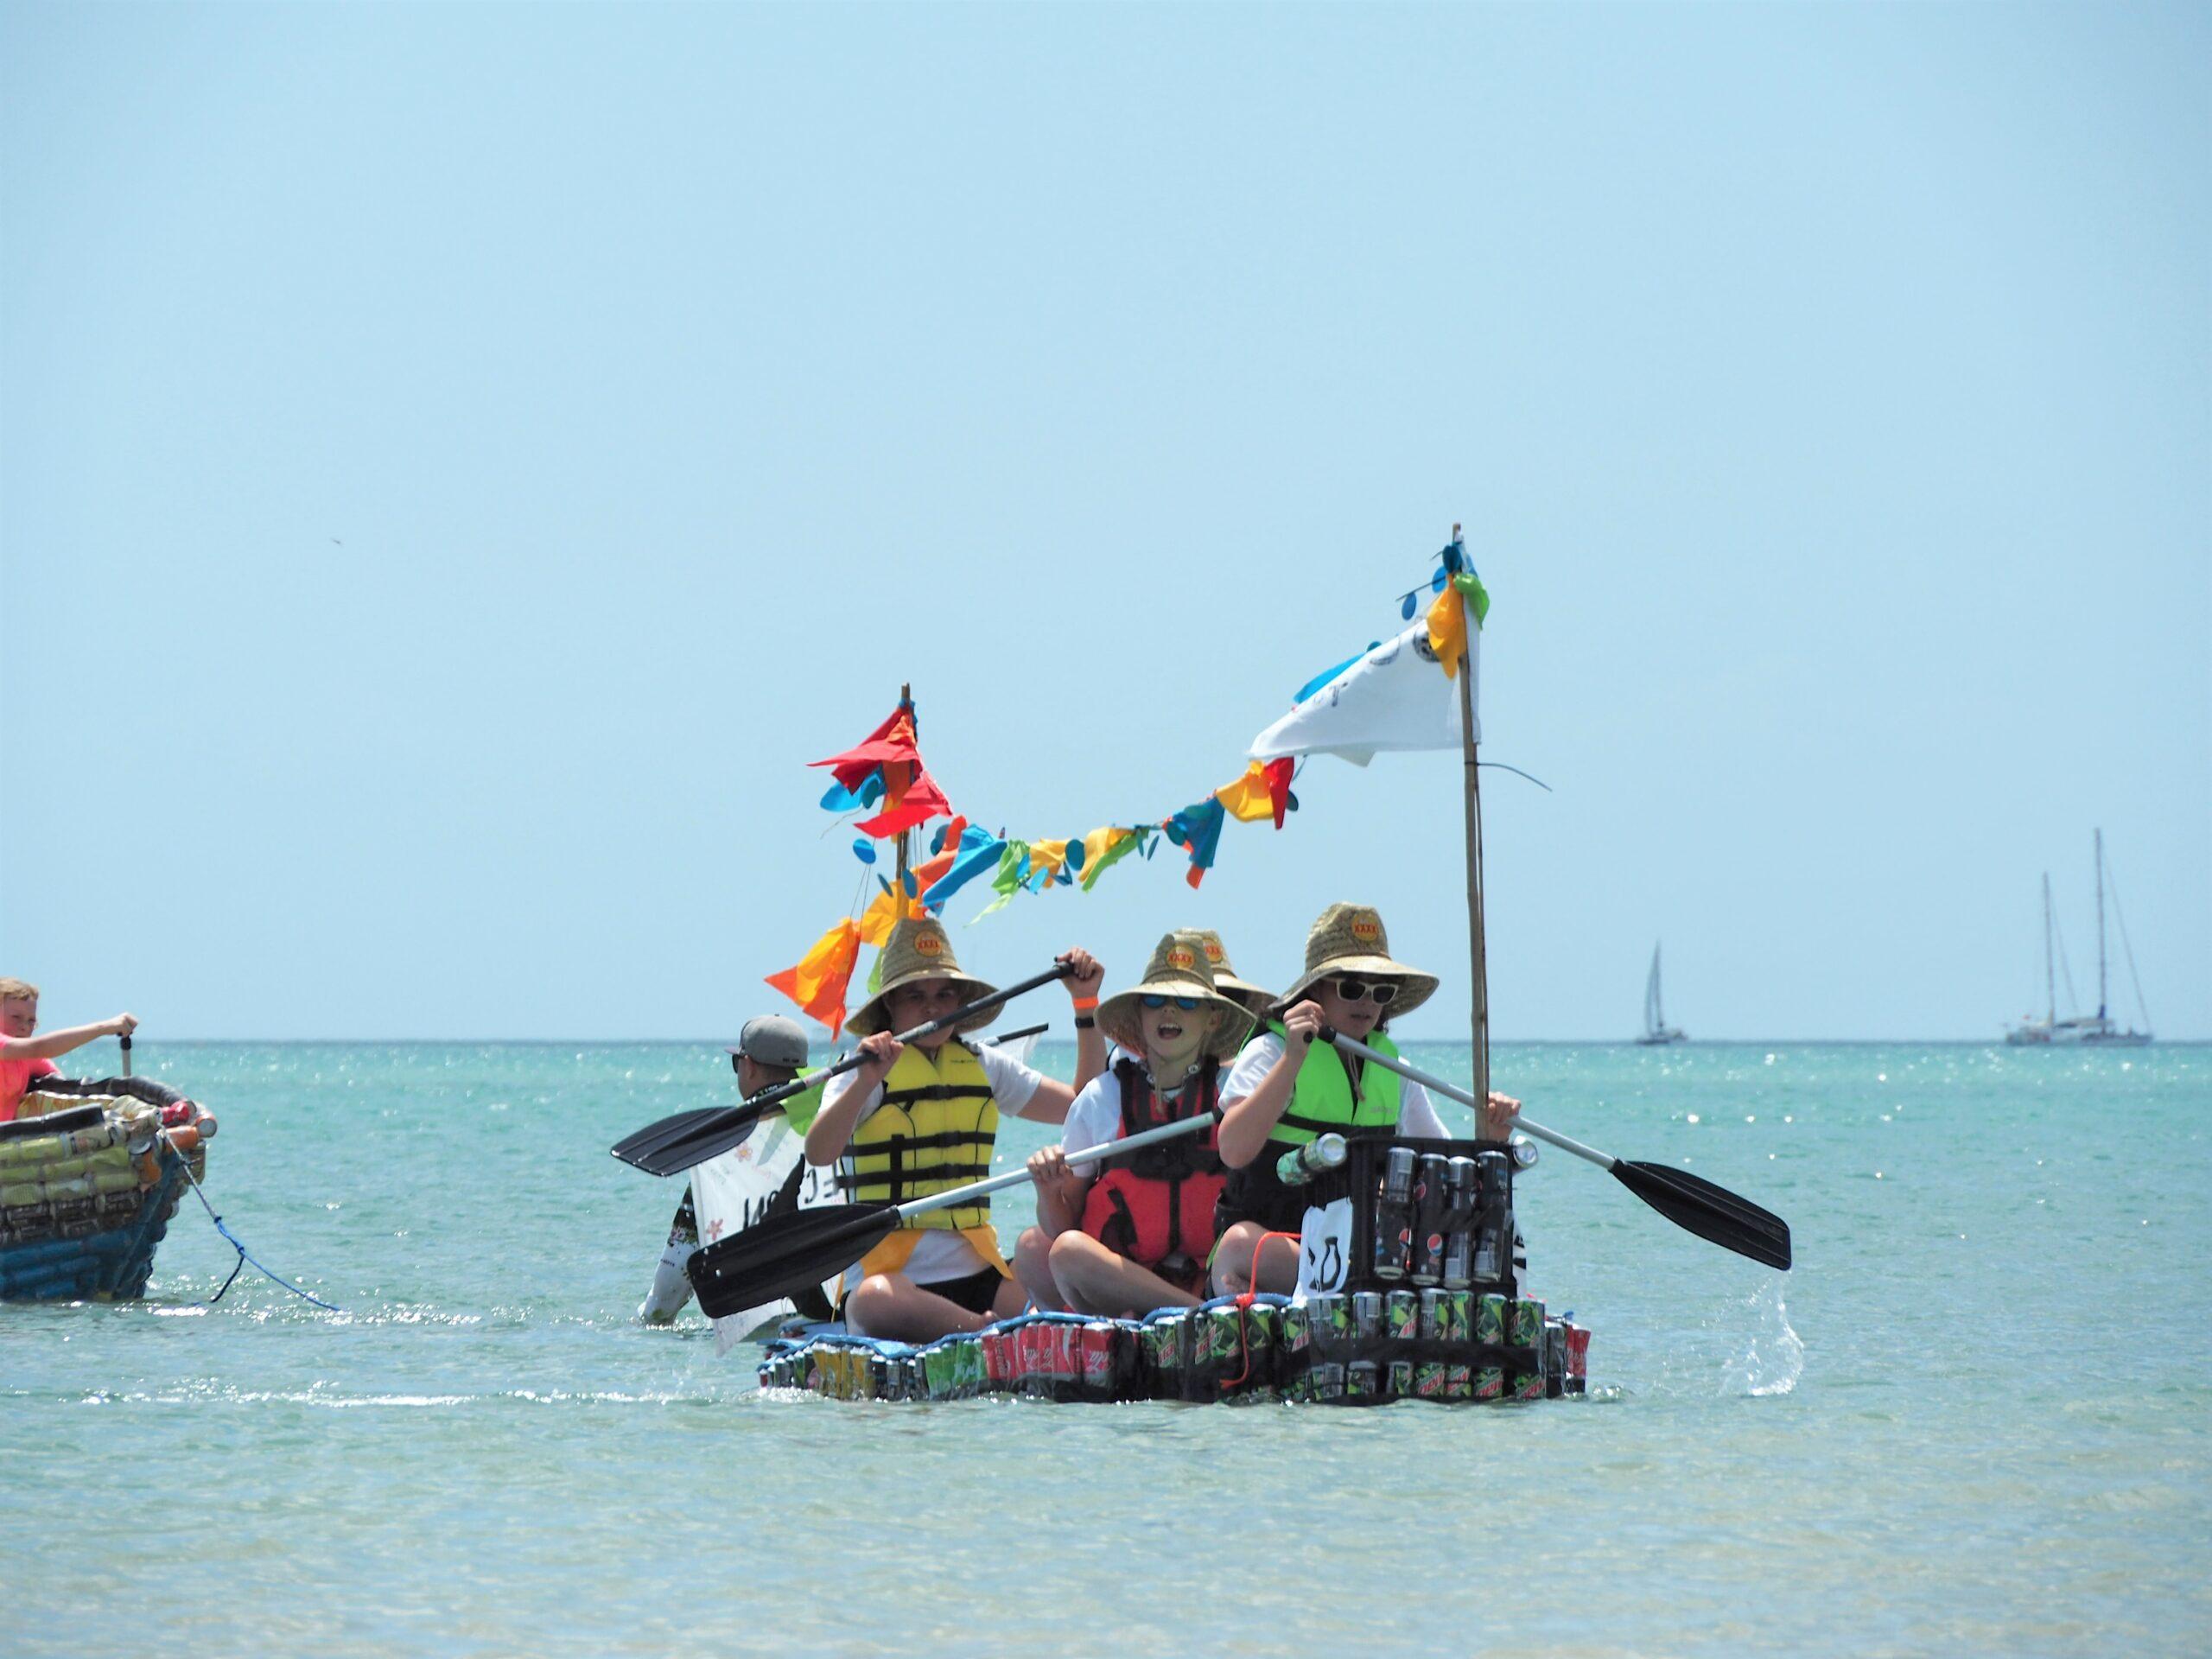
1416	1114
942	1255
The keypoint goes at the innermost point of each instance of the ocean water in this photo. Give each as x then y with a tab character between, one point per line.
1976	1419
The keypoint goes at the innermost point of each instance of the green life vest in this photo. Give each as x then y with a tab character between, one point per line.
1324	1099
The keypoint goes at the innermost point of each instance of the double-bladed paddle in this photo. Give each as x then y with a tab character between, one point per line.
677	1143
802	1248
1712	1212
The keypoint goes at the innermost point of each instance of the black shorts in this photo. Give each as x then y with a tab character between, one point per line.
975	1293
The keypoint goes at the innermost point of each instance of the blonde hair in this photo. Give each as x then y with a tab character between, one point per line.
12	989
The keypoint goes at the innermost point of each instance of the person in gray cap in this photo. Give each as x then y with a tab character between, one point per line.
770	1049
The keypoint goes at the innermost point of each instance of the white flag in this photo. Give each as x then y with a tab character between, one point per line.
1394	697
731	1193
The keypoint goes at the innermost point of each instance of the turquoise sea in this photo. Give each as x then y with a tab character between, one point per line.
1975	1420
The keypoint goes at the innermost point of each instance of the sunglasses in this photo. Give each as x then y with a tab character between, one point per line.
1356	990
1186	1003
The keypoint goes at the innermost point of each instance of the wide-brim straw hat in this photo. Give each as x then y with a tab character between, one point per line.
917	949
1177	967
1349	940
1253	999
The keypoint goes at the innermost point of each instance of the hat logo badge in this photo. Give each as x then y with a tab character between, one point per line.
1179	958
1213	951
928	944
1366	929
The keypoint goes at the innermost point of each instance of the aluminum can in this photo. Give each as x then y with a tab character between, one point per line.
1067	1350
1362	1381
1317	1157
1394	1214
1326	1382
1463	1186
1578	1358
1262	1343
1431	1198
1223	1336
1435	1316
972	1379
1428	1382
879	1376
1493	1229
1525	1329
1554	1358
1331	1316
1366	1315
1401	1315
1402	1379
1098	1361
1297	1324
1459	1316
1489	1331
1459	1383
1522	1151
1161	1339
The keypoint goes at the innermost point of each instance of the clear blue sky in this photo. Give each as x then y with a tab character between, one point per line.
1828	392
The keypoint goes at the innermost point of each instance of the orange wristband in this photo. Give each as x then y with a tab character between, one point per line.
1083	1004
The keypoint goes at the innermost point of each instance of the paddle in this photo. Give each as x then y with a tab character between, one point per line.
677	1143
125	1041
1696	1205
803	1248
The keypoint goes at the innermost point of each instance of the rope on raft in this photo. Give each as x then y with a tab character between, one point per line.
245	1254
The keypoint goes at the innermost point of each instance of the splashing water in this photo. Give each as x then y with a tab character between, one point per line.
1776	1356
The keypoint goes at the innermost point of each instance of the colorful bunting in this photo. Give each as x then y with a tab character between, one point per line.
817	983
889	757
1197	829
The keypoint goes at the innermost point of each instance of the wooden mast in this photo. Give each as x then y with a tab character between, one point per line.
1476	958
898	855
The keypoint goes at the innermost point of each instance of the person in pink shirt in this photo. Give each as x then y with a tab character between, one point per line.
24	1056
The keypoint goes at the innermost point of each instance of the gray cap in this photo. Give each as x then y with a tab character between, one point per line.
772	1040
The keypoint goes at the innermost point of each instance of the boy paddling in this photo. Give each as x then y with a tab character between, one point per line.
920	1118
1287	1089
25	1056
771	1050
1120	1240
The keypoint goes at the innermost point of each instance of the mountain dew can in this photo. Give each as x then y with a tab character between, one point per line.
1162	1341
1401	1315
1526	1330
1221	1337
1297	1324
1488	1380
1429	1382
1459	1316
1402	1379
1362	1380
1331	1320
1435	1322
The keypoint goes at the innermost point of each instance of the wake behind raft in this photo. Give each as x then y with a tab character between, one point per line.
91	1173
1408	1291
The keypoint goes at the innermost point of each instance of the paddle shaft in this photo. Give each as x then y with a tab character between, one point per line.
854	1061
1452	1091
960	1195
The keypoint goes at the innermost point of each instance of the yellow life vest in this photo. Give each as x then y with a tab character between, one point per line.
933	1131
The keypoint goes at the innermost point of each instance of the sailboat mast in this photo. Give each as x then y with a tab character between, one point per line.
1658	1003
2050	984
2100	924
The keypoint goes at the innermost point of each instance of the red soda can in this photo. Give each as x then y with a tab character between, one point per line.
1067	1351
1098	1361
1578	1358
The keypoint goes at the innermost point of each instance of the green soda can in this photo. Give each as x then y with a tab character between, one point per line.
1459	1316
1489	1381
1162	1345
1262	1342
1331	1320
1362	1380
1402	1379
1435	1322
1429	1382
1401	1315
1459	1383
1297	1324
1527	1330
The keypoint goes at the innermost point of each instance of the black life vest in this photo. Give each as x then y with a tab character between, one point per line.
1155	1206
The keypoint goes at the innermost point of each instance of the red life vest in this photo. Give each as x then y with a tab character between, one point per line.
1156	1206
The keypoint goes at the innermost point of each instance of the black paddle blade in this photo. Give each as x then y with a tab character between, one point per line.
676	1144
786	1254
1712	1212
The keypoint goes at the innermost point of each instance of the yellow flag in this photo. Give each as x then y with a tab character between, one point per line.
1448	629
1248	799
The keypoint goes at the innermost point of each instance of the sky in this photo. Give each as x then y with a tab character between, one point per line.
458	464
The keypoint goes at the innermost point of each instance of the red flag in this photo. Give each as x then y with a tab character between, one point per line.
817	983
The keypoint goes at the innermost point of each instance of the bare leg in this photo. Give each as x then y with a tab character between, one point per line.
1096	1281
892	1305
1233	1266
1033	1267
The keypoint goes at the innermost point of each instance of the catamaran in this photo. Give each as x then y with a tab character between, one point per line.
2083	1028
1655	1028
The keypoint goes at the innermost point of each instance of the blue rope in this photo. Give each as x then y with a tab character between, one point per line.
245	1254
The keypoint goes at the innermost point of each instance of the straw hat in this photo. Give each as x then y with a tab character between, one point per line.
917	950
1347	939
1177	967
1248	996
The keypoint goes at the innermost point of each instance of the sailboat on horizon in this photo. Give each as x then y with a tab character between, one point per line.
2096	1028
1656	1031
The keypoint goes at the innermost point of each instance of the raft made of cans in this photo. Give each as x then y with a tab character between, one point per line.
1412	1294
1356	1348
90	1174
